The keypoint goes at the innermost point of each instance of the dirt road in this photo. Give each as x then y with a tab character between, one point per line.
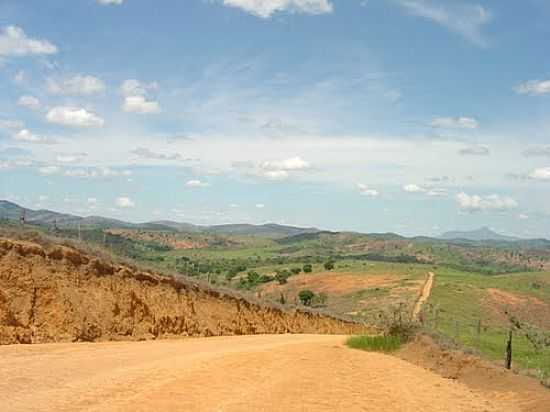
424	295
247	373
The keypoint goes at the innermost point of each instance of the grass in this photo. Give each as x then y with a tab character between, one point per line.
379	343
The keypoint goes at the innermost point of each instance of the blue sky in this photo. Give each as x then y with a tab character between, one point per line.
412	116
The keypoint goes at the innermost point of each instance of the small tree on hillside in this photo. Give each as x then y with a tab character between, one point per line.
329	265
306	297
308	268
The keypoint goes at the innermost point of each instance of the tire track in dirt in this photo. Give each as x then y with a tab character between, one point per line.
424	295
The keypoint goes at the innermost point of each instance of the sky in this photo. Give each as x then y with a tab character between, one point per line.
407	116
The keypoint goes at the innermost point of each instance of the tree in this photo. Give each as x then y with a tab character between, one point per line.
306	296
329	265
282	276
296	271
308	268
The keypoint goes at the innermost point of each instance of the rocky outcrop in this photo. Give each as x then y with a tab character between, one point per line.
59	294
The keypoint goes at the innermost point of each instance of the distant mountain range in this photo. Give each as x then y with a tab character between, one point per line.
12	212
484	236
483	233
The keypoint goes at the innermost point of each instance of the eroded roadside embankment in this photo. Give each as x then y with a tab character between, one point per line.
59	294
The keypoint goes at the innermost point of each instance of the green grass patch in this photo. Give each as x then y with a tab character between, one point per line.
375	343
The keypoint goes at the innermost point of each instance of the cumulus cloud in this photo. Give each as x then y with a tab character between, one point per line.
49	170
260	205
477	203
523	216
266	8
542	173
138	104
537	151
455	123
30	102
293	163
110	2
467	20
74	117
149	154
27	136
196	183
534	87
133	87
281	169
367	191
414	188
124	202
79	85
475	150
14	42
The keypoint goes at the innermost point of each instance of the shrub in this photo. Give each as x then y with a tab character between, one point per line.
329	265
381	343
306	297
295	271
308	268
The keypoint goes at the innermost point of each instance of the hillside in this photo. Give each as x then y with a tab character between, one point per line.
56	293
483	233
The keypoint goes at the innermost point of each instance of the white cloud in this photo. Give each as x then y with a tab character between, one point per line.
99	173
30	102
534	87
92	201
280	169
475	150
413	188
266	8
20	77
437	192
366	191
49	170
11	124
70	157
196	183
523	216
476	203
274	174
260	205
466	20
110	2
79	85
455	123
14	42
542	173
73	116
138	104
149	154
124	202
133	87
27	136
293	163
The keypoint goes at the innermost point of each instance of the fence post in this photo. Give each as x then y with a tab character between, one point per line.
508	361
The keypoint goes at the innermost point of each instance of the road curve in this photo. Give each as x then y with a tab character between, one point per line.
244	373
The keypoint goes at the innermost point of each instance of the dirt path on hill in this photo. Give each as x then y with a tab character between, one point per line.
424	295
239	373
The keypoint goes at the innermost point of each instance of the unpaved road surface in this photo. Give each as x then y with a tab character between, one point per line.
424	295
245	373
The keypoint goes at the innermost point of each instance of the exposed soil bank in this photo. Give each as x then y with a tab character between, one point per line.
59	294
